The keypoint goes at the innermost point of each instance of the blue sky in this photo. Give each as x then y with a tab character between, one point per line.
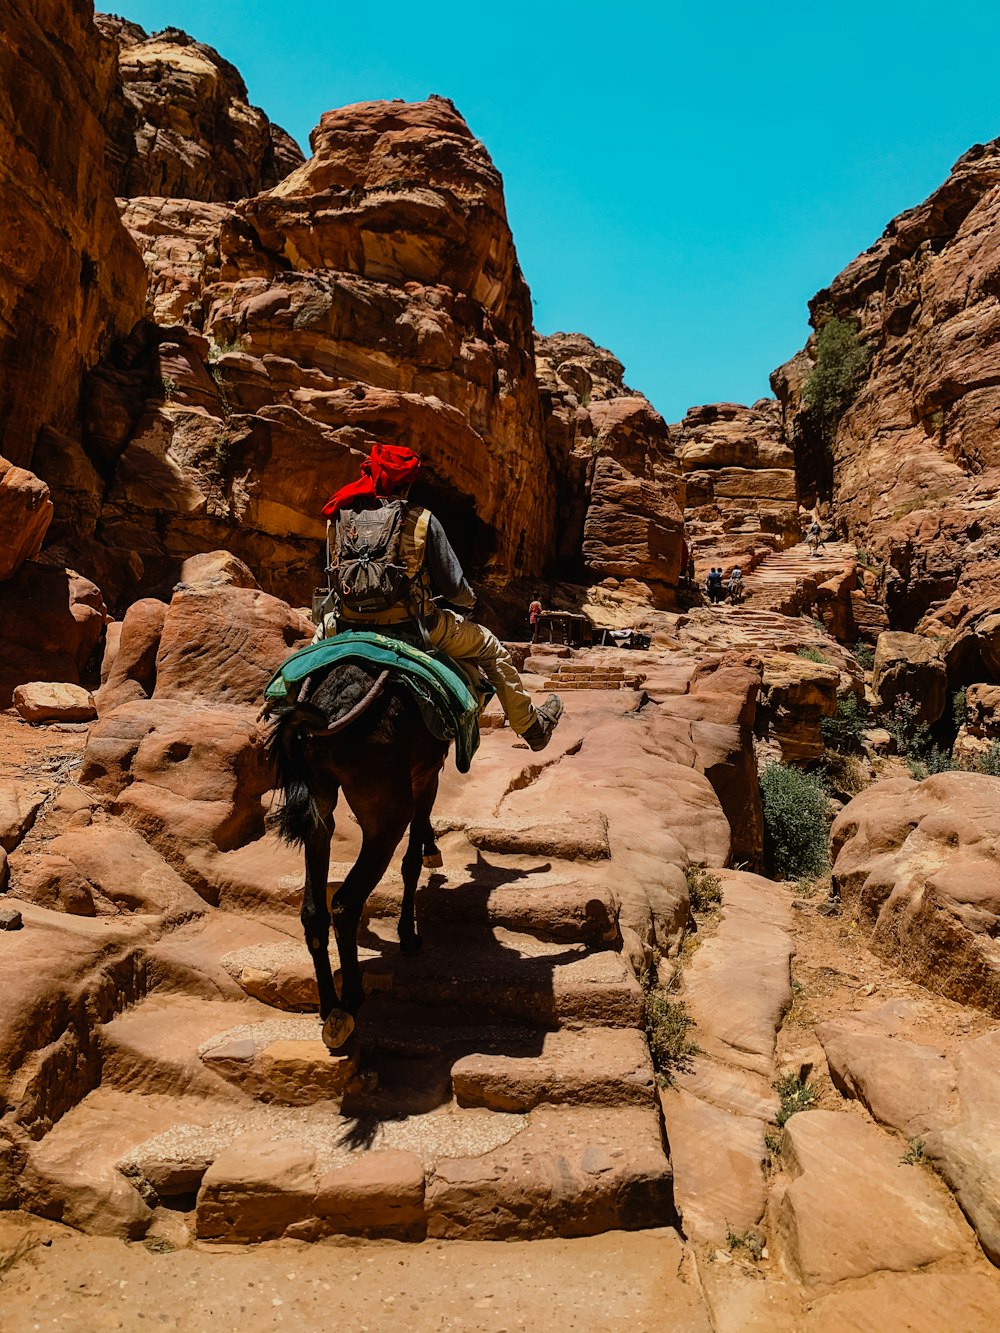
680	179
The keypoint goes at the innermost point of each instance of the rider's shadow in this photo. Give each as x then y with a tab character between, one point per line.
478	986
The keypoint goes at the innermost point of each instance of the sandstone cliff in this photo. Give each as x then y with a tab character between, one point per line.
179	122
70	277
912	467
619	486
374	294
740	498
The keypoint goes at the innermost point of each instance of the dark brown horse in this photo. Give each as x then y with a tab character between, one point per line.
354	729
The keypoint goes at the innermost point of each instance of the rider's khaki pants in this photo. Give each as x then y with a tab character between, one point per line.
464	639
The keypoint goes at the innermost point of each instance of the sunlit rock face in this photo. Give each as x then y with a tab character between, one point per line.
913	467
619	489
179	122
70	277
374	294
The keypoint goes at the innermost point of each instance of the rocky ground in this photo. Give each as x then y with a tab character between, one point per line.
608	1031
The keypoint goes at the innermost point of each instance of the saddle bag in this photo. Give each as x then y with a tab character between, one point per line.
367	572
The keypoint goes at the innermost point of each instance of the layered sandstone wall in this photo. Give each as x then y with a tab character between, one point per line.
70	277
374	295
619	488
913	467
179	122
740	493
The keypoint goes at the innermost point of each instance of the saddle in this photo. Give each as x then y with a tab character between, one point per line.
439	687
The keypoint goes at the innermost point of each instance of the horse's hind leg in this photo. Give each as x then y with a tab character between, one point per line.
416	856
315	915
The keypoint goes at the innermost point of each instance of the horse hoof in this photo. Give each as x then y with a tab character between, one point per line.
433	860
338	1027
410	946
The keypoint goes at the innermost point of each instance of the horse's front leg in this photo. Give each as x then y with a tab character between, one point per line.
315	915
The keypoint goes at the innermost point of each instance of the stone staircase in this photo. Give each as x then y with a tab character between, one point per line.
578	675
499	1085
786	581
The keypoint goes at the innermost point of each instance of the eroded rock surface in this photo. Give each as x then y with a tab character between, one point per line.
179	123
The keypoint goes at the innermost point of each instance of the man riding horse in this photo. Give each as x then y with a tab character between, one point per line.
352	725
433	571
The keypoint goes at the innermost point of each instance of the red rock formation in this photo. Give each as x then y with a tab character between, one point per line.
740	497
70	277
913	466
619	487
375	294
180	125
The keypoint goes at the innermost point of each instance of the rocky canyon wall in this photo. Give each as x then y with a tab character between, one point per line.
912	467
294	312
179	122
619	487
70	278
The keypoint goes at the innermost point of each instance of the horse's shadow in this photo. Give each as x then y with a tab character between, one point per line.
411	1038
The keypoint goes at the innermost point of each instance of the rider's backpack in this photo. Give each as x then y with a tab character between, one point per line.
368	572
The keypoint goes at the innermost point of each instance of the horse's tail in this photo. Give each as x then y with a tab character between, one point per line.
299	815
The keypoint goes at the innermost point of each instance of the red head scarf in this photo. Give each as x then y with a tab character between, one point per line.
389	468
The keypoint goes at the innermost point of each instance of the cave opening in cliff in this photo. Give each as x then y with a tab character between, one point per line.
474	541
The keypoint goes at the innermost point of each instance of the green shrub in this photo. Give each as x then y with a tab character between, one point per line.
841	368
864	654
845	732
796	1095
988	763
704	888
959	708
812	655
668	1026
911	737
795	822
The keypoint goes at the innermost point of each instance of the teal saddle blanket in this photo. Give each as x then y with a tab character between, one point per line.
448	706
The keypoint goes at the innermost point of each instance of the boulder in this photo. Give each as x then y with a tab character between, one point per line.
913	665
796	694
52	701
919	865
57	639
847	1208
25	514
131	673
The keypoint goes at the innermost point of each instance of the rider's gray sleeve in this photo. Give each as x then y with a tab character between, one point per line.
446	573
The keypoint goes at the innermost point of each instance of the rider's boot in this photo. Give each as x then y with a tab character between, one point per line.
540	732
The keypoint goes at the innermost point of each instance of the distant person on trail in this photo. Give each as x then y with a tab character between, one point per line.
735	585
713	585
814	537
400	553
534	612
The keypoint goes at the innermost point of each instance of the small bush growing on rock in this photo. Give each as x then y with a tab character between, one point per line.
914	1155
704	888
864	654
795	822
844	775
959	708
812	655
668	1026
749	1241
840	370
910	736
845	732
796	1095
